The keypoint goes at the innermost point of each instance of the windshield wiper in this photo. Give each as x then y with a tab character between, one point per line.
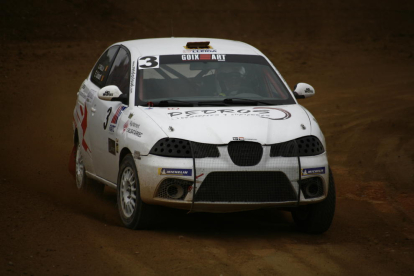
219	103
166	103
247	101
230	101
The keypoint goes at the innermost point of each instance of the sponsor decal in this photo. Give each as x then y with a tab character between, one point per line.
197	51
199	175
117	114
132	129
273	116
168	171
130	115
82	94
132	79
133	124
134	132
90	96
111	146
97	75
125	126
243	139
112	128
204	57
271	113
107	93
308	90
173	108
313	171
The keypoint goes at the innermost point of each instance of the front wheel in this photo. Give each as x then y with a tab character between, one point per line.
317	218
135	214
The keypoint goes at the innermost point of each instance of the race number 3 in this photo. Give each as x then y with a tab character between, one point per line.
149	62
105	124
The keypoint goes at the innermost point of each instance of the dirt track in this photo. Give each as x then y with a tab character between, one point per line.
358	56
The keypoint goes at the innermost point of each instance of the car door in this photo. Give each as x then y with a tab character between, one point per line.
89	91
106	116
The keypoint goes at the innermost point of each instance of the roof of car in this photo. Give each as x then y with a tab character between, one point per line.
173	46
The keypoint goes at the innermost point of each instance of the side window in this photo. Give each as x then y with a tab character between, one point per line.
101	70
120	71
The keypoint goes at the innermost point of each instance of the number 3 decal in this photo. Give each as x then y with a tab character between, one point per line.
149	62
105	124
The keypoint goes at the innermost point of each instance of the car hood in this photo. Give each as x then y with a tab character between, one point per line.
220	125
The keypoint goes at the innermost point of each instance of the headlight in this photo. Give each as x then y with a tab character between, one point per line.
174	147
303	146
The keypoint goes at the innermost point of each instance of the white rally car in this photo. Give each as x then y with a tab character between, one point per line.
205	125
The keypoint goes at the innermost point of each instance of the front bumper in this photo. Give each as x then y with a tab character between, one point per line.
222	186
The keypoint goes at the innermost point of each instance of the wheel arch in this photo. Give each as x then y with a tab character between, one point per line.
122	154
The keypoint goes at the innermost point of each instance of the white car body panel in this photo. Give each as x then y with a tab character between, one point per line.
220	125
112	127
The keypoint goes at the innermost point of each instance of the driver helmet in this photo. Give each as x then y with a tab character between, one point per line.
230	76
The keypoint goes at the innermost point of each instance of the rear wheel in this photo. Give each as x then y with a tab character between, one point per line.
317	218
83	183
135	214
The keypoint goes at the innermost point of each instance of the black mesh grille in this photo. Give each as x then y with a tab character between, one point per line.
245	153
174	147
311	187
245	187
304	146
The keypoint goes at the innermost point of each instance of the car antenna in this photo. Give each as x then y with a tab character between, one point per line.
172	27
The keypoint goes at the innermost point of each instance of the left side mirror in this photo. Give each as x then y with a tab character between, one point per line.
109	93
303	90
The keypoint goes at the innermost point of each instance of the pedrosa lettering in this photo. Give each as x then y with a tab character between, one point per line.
220	111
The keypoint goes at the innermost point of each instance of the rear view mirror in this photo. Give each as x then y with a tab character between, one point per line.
303	90
109	92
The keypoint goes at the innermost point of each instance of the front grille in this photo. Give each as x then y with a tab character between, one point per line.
174	147
303	146
245	153
246	187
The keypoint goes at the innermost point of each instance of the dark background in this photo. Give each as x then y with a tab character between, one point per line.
358	55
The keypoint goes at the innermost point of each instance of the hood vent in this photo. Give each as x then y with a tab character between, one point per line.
198	45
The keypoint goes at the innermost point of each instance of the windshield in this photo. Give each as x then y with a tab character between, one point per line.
208	79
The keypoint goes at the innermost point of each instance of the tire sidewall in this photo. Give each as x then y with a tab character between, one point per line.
82	184
131	221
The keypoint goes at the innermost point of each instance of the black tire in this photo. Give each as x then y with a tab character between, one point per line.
134	213
83	183
317	218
